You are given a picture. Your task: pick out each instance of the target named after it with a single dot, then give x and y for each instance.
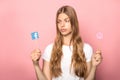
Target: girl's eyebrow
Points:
(67, 18)
(64, 19)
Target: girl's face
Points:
(64, 25)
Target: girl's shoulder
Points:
(88, 50)
(47, 52)
(49, 46)
(87, 46)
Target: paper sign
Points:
(34, 35)
(99, 36)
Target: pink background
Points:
(18, 18)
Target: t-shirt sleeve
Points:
(88, 52)
(47, 53)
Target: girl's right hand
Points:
(35, 55)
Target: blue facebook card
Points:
(34, 35)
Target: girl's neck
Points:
(67, 40)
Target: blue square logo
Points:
(34, 35)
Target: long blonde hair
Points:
(78, 58)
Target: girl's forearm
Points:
(91, 75)
(39, 74)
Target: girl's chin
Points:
(66, 34)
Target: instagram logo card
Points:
(99, 36)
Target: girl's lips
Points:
(63, 30)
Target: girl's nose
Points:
(62, 24)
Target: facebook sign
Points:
(34, 35)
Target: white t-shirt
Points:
(66, 60)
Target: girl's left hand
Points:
(96, 58)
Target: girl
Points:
(68, 58)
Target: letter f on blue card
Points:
(34, 35)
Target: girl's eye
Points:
(58, 21)
(67, 20)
